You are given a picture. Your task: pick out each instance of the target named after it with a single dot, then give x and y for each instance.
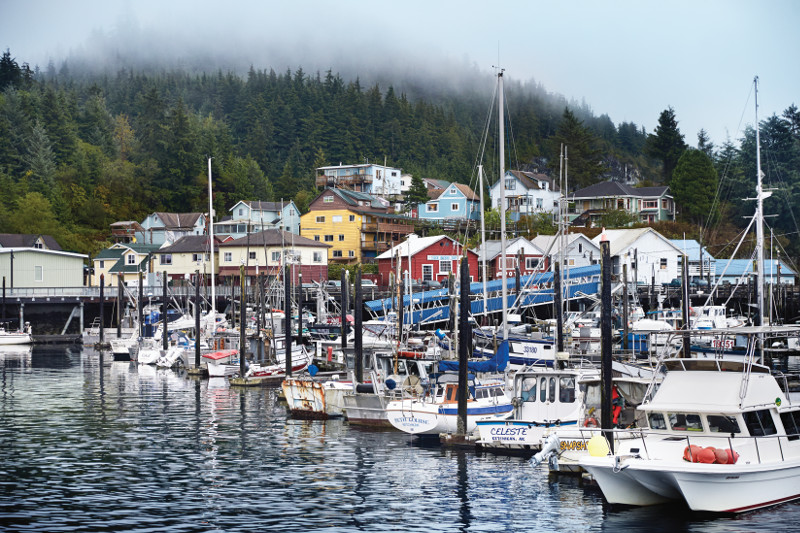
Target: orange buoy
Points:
(722, 456)
(732, 456)
(706, 455)
(590, 422)
(691, 453)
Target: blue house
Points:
(255, 217)
(739, 270)
(456, 201)
(695, 253)
(160, 228)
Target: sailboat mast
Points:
(759, 219)
(211, 246)
(483, 239)
(503, 268)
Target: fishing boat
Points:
(21, 336)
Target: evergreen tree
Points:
(10, 73)
(694, 186)
(417, 193)
(585, 162)
(704, 144)
(41, 162)
(666, 143)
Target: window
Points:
(228, 257)
(276, 256)
(38, 245)
(38, 273)
(685, 422)
(543, 390)
(445, 266)
(530, 263)
(197, 258)
(663, 263)
(570, 262)
(722, 424)
(320, 220)
(337, 218)
(511, 184)
(351, 253)
(327, 199)
(341, 237)
(352, 218)
(241, 211)
(131, 259)
(566, 389)
(759, 423)
(552, 391)
(432, 208)
(580, 247)
(251, 255)
(427, 272)
(650, 204)
(318, 257)
(337, 253)
(453, 190)
(791, 423)
(539, 203)
(316, 238)
(101, 264)
(529, 390)
(657, 421)
(328, 238)
(166, 259)
(455, 208)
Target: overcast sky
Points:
(628, 59)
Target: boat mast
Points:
(501, 120)
(483, 240)
(760, 195)
(211, 245)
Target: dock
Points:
(58, 339)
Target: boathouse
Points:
(426, 258)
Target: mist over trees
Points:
(88, 149)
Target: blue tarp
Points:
(496, 363)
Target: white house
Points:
(256, 216)
(369, 178)
(580, 250)
(648, 254)
(160, 228)
(526, 193)
(519, 252)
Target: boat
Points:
(20, 336)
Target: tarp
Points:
(497, 363)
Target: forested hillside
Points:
(78, 152)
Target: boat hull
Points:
(422, 418)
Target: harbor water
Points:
(89, 444)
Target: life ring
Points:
(590, 422)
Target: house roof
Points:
(412, 245)
(738, 267)
(494, 248)
(139, 248)
(622, 239)
(613, 188)
(190, 244)
(179, 220)
(273, 237)
(26, 240)
(354, 197)
(264, 206)
(439, 184)
(466, 191)
(692, 249)
(543, 241)
(530, 180)
(109, 253)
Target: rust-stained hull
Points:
(306, 399)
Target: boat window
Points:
(657, 421)
(528, 390)
(791, 423)
(451, 393)
(497, 391)
(759, 423)
(543, 390)
(552, 389)
(685, 422)
(722, 424)
(566, 389)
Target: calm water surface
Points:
(88, 444)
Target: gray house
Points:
(37, 261)
(169, 227)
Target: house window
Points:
(166, 259)
(327, 199)
(352, 218)
(427, 272)
(241, 211)
(341, 237)
(316, 238)
(337, 218)
(251, 255)
(337, 253)
(351, 253)
(454, 208)
(651, 204)
(132, 259)
(38, 245)
(511, 184)
(101, 264)
(328, 238)
(38, 273)
(320, 220)
(539, 203)
(318, 257)
(663, 263)
(664, 203)
(453, 190)
(228, 257)
(580, 247)
(432, 208)
(571, 262)
(445, 267)
(276, 256)
(530, 263)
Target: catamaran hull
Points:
(711, 488)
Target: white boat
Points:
(21, 336)
(715, 405)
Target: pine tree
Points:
(417, 193)
(666, 143)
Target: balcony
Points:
(347, 180)
(378, 246)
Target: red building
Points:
(430, 258)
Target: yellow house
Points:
(338, 228)
(123, 260)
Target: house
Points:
(125, 261)
(457, 201)
(426, 258)
(648, 204)
(527, 193)
(354, 224)
(37, 261)
(368, 178)
(255, 216)
(695, 253)
(519, 251)
(579, 251)
(650, 256)
(160, 228)
(188, 255)
(735, 271)
(270, 250)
